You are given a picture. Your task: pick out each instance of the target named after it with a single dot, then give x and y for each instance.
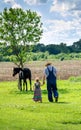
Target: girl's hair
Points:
(37, 79)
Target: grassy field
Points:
(19, 112)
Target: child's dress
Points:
(37, 92)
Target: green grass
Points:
(19, 112)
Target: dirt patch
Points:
(65, 69)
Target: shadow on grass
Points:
(44, 91)
(63, 102)
(63, 91)
(25, 92)
(55, 102)
(71, 122)
(21, 92)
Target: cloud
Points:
(42, 1)
(57, 31)
(34, 2)
(66, 7)
(9, 1)
(30, 2)
(39, 13)
(13, 3)
(59, 6)
(62, 6)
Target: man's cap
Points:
(48, 63)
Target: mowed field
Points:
(65, 69)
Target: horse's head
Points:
(16, 70)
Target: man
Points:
(50, 76)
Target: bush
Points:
(75, 79)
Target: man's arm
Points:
(55, 71)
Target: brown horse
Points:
(24, 74)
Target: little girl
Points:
(37, 91)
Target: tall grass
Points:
(19, 112)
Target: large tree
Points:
(18, 28)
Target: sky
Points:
(61, 18)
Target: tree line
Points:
(50, 48)
(42, 52)
(57, 49)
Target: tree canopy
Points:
(18, 29)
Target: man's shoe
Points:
(56, 99)
(50, 100)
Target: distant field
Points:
(65, 69)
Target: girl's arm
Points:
(41, 84)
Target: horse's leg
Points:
(26, 86)
(20, 85)
(30, 84)
(25, 82)
(23, 85)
